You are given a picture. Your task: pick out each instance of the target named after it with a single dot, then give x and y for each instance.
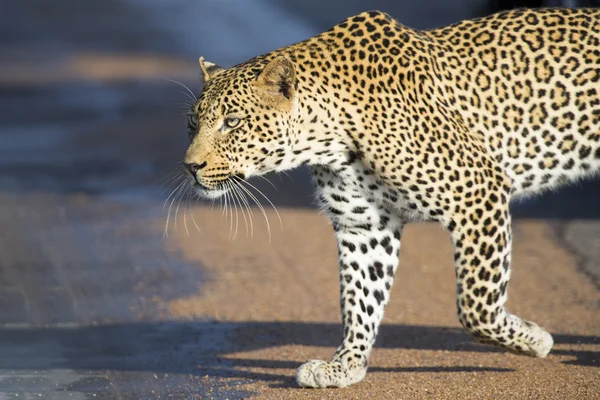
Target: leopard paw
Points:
(324, 374)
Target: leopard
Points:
(399, 125)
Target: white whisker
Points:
(228, 200)
(248, 207)
(193, 217)
(193, 96)
(166, 233)
(244, 201)
(172, 192)
(270, 183)
(249, 193)
(224, 207)
(173, 180)
(185, 212)
(187, 95)
(237, 197)
(266, 198)
(233, 208)
(185, 105)
(180, 195)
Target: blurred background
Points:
(91, 133)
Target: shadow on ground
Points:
(202, 348)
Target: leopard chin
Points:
(207, 193)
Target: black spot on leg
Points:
(385, 241)
(372, 273)
(379, 296)
(379, 269)
(351, 247)
(390, 270)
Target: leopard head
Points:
(241, 125)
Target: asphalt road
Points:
(105, 292)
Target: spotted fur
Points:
(402, 125)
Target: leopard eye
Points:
(232, 122)
(192, 124)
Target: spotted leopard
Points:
(402, 125)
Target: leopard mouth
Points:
(218, 188)
(211, 192)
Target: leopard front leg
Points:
(368, 240)
(367, 260)
(482, 244)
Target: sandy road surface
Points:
(282, 300)
(96, 304)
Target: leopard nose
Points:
(193, 168)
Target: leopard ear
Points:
(209, 70)
(279, 76)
